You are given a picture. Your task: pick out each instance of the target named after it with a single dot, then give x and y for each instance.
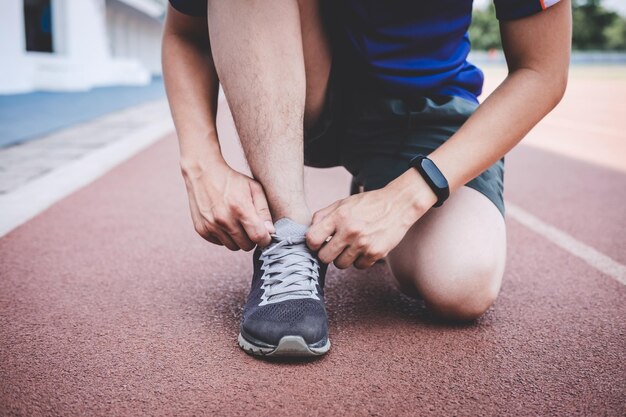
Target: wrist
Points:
(414, 192)
(194, 166)
(198, 157)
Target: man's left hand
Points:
(366, 227)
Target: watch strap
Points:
(432, 176)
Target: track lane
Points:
(109, 304)
(583, 200)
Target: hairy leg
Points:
(454, 256)
(259, 53)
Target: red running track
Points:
(110, 305)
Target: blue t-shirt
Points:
(409, 47)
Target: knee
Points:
(466, 292)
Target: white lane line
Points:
(21, 205)
(593, 257)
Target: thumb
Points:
(260, 204)
(320, 214)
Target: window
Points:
(38, 25)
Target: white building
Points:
(73, 45)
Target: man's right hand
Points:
(227, 207)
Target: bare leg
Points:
(317, 60)
(259, 56)
(454, 256)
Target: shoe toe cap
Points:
(304, 317)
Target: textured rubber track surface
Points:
(111, 305)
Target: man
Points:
(383, 89)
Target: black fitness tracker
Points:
(433, 177)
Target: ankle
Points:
(302, 216)
(302, 219)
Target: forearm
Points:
(538, 67)
(513, 109)
(192, 89)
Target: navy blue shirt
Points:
(410, 47)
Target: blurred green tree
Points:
(615, 35)
(484, 31)
(590, 21)
(595, 28)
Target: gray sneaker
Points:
(285, 314)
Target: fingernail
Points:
(269, 226)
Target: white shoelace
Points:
(290, 271)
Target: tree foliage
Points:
(595, 28)
(485, 31)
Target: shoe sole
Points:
(288, 347)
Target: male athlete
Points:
(382, 88)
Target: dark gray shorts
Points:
(374, 137)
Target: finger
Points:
(239, 236)
(262, 208)
(209, 237)
(347, 257)
(318, 233)
(331, 250)
(254, 227)
(364, 262)
(225, 239)
(321, 214)
(205, 231)
(213, 239)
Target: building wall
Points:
(96, 43)
(134, 35)
(15, 72)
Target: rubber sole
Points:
(288, 347)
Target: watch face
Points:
(433, 172)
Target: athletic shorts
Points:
(375, 137)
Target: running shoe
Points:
(284, 314)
